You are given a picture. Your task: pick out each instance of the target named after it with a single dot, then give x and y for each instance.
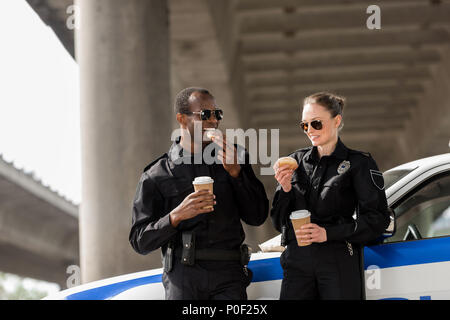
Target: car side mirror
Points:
(392, 227)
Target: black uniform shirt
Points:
(331, 188)
(168, 180)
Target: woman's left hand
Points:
(311, 232)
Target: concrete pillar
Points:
(122, 48)
(428, 131)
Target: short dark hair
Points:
(182, 98)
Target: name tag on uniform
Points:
(343, 166)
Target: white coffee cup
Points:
(298, 219)
(300, 214)
(203, 183)
(202, 180)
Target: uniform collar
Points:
(176, 152)
(340, 152)
(312, 155)
(178, 155)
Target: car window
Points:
(427, 207)
(392, 176)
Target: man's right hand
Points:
(192, 206)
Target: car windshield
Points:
(392, 176)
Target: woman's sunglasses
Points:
(316, 124)
(206, 114)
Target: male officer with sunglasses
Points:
(203, 252)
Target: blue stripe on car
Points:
(408, 253)
(266, 269)
(111, 290)
(383, 256)
(263, 270)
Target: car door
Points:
(415, 262)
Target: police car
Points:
(412, 262)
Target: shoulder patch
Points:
(152, 163)
(377, 178)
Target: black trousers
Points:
(321, 271)
(206, 280)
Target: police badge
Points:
(343, 166)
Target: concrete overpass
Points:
(272, 53)
(260, 58)
(38, 227)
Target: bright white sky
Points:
(39, 110)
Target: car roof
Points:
(416, 168)
(424, 163)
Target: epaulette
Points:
(302, 149)
(152, 163)
(367, 154)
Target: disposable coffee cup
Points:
(287, 162)
(298, 219)
(204, 183)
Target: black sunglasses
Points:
(206, 114)
(316, 124)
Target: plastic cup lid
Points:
(203, 180)
(300, 214)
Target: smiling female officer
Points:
(333, 182)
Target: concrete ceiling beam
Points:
(364, 38)
(408, 89)
(325, 60)
(252, 5)
(343, 17)
(296, 77)
(54, 14)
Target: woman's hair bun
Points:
(332, 102)
(341, 102)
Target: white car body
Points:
(412, 269)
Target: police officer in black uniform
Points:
(203, 252)
(344, 191)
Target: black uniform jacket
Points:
(168, 180)
(331, 188)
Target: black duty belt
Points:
(213, 254)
